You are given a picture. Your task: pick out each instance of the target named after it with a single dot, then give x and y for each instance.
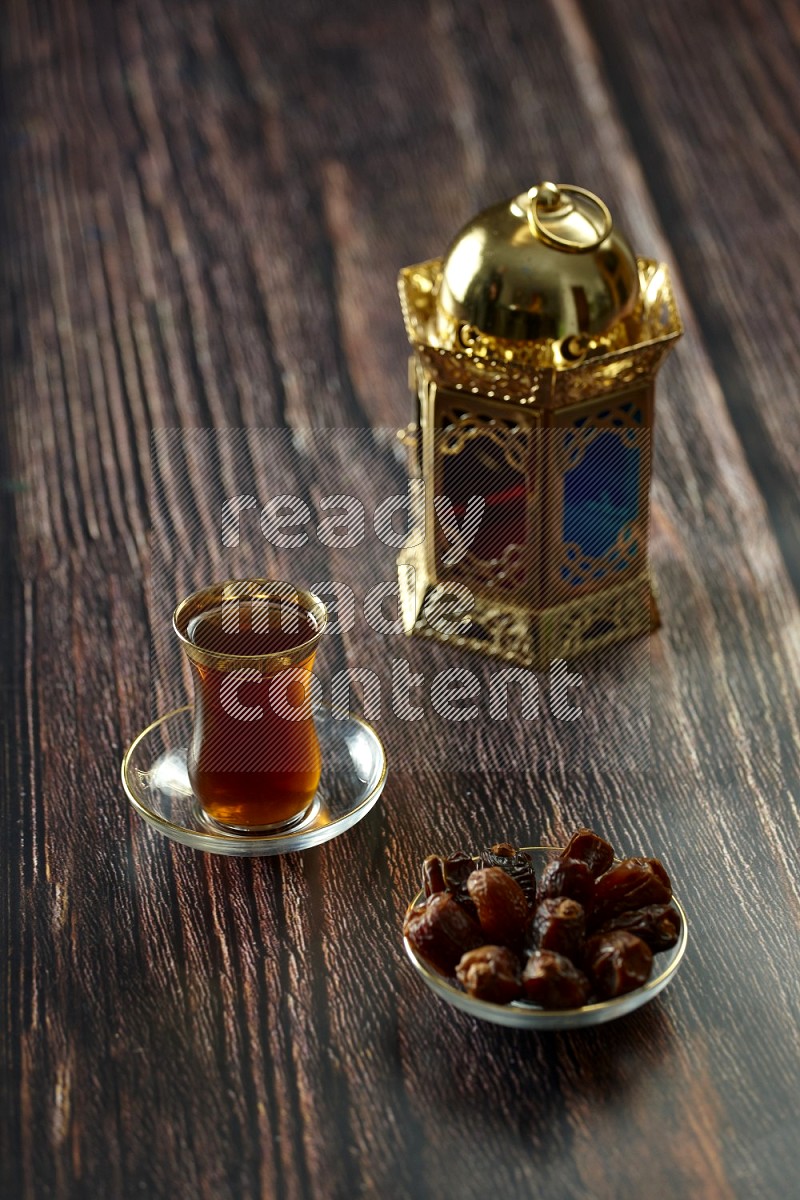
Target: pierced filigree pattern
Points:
(512, 437)
(494, 628)
(417, 288)
(497, 380)
(599, 619)
(626, 420)
(534, 638)
(454, 336)
(609, 373)
(546, 376)
(578, 568)
(504, 573)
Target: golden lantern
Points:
(536, 341)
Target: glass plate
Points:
(156, 781)
(521, 1014)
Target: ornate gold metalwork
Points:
(458, 428)
(620, 418)
(494, 627)
(506, 571)
(577, 568)
(534, 638)
(596, 620)
(610, 373)
(503, 574)
(540, 373)
(569, 570)
(478, 374)
(656, 313)
(493, 328)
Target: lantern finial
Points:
(539, 267)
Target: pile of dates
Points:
(586, 931)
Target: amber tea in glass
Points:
(254, 760)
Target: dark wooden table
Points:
(205, 208)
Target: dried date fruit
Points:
(490, 973)
(449, 875)
(589, 931)
(632, 883)
(659, 925)
(503, 850)
(457, 869)
(588, 847)
(658, 869)
(617, 962)
(468, 905)
(566, 877)
(559, 924)
(501, 903)
(553, 981)
(441, 931)
(516, 863)
(432, 875)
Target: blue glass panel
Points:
(601, 494)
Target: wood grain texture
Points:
(712, 115)
(204, 209)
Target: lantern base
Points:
(527, 636)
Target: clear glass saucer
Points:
(156, 781)
(521, 1014)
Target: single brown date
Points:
(490, 973)
(502, 850)
(441, 931)
(457, 869)
(516, 863)
(632, 883)
(617, 962)
(588, 847)
(449, 875)
(432, 875)
(553, 981)
(658, 869)
(559, 924)
(659, 925)
(566, 877)
(501, 904)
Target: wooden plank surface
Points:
(204, 209)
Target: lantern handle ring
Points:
(547, 197)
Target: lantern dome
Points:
(546, 264)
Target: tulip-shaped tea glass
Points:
(254, 759)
